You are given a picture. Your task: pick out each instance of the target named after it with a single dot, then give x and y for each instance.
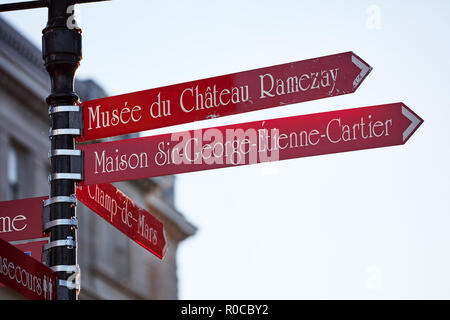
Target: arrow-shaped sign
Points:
(21, 219)
(249, 143)
(225, 95)
(21, 225)
(365, 69)
(26, 275)
(415, 122)
(119, 210)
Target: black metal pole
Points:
(23, 5)
(34, 4)
(61, 50)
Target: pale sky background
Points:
(365, 224)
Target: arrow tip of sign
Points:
(166, 244)
(416, 122)
(365, 69)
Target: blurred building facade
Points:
(112, 266)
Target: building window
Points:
(13, 173)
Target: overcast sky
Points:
(364, 224)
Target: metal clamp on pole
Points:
(65, 176)
(60, 222)
(64, 152)
(69, 243)
(68, 108)
(75, 115)
(65, 268)
(75, 164)
(58, 199)
(73, 281)
(64, 132)
(46, 223)
(69, 284)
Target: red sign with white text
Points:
(249, 143)
(32, 247)
(225, 95)
(21, 219)
(24, 274)
(119, 210)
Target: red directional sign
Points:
(21, 225)
(249, 143)
(120, 211)
(21, 219)
(24, 274)
(224, 95)
(32, 247)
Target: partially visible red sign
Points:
(119, 210)
(21, 219)
(24, 274)
(32, 247)
(21, 225)
(225, 95)
(249, 143)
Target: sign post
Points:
(61, 51)
(94, 166)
